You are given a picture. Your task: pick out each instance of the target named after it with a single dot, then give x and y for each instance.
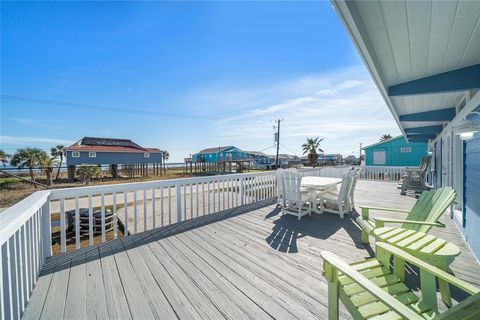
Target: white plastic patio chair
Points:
(296, 200)
(353, 184)
(337, 201)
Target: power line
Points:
(295, 152)
(266, 148)
(102, 108)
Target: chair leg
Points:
(365, 237)
(445, 291)
(340, 209)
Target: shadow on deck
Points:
(248, 262)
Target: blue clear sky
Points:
(222, 71)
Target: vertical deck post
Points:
(46, 230)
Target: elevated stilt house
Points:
(122, 155)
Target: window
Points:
(405, 149)
(92, 154)
(75, 154)
(379, 157)
(146, 155)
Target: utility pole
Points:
(278, 141)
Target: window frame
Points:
(146, 154)
(75, 154)
(92, 154)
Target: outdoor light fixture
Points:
(467, 128)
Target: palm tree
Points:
(311, 147)
(58, 152)
(4, 157)
(47, 163)
(385, 137)
(28, 158)
(165, 156)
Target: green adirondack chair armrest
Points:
(381, 248)
(380, 222)
(332, 264)
(366, 210)
(467, 309)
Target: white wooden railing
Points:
(101, 213)
(364, 173)
(60, 220)
(25, 243)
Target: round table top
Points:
(319, 181)
(416, 243)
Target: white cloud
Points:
(343, 107)
(18, 140)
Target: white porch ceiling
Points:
(402, 41)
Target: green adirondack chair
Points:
(374, 289)
(422, 217)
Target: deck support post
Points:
(71, 173)
(46, 230)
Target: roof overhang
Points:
(424, 57)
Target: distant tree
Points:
(57, 152)
(86, 172)
(4, 157)
(311, 147)
(47, 163)
(28, 158)
(165, 156)
(385, 137)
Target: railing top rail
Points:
(132, 186)
(14, 217)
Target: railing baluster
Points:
(90, 220)
(125, 212)
(77, 223)
(203, 198)
(29, 255)
(135, 211)
(178, 191)
(191, 201)
(196, 200)
(115, 217)
(223, 193)
(63, 240)
(208, 196)
(154, 213)
(144, 209)
(161, 208)
(169, 205)
(22, 265)
(102, 212)
(184, 202)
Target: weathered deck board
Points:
(250, 263)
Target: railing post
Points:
(179, 202)
(242, 191)
(46, 229)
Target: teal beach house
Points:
(220, 154)
(396, 152)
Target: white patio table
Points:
(320, 184)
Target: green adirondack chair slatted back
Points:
(430, 207)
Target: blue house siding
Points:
(410, 157)
(113, 158)
(471, 194)
(225, 154)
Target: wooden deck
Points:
(251, 262)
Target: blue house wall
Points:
(225, 153)
(398, 152)
(112, 158)
(471, 193)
